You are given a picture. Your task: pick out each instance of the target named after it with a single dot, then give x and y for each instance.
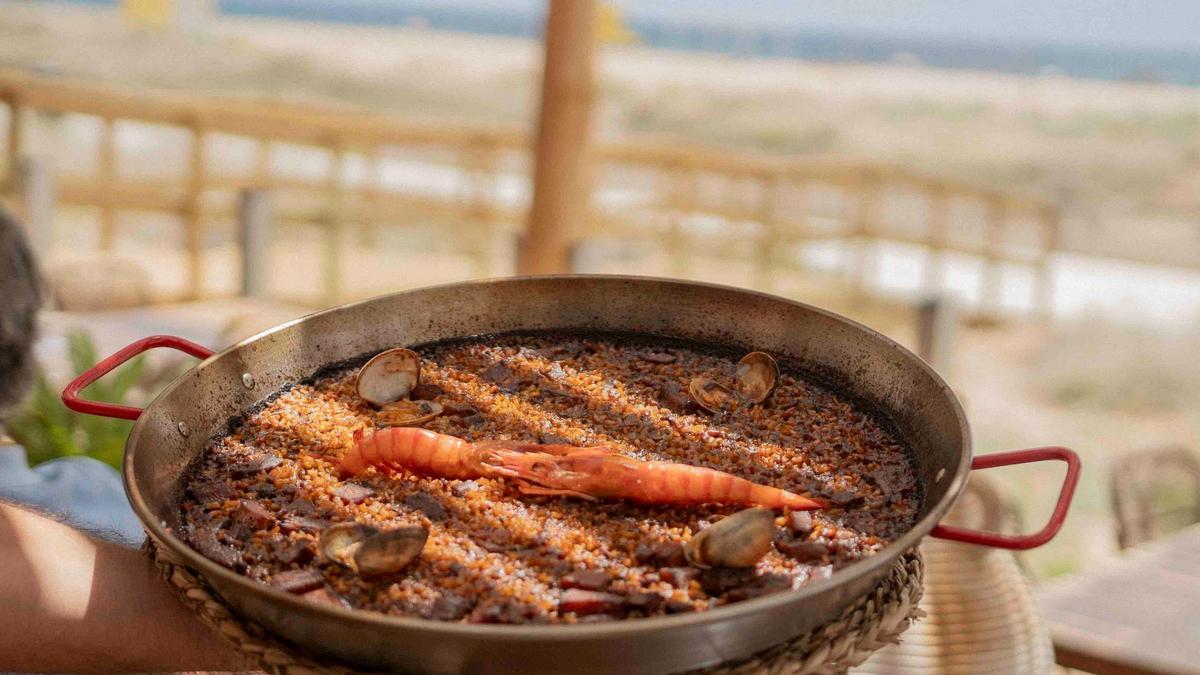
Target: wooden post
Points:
(335, 232)
(368, 229)
(937, 323)
(193, 218)
(107, 176)
(17, 122)
(254, 230)
(992, 283)
(1043, 285)
(35, 185)
(562, 175)
(262, 164)
(939, 228)
(866, 216)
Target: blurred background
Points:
(1011, 187)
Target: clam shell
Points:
(712, 395)
(390, 551)
(340, 542)
(407, 413)
(740, 540)
(756, 377)
(389, 376)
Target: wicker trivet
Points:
(875, 620)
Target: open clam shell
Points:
(389, 376)
(340, 542)
(407, 413)
(756, 377)
(740, 540)
(712, 395)
(390, 551)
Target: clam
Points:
(340, 542)
(389, 376)
(712, 395)
(390, 551)
(740, 540)
(369, 551)
(407, 413)
(756, 376)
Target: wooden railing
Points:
(679, 198)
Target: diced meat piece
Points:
(584, 603)
(799, 549)
(264, 462)
(210, 491)
(299, 552)
(475, 420)
(675, 399)
(588, 580)
(679, 577)
(718, 580)
(450, 608)
(324, 596)
(458, 409)
(648, 603)
(661, 554)
(252, 515)
(800, 522)
(657, 357)
(300, 506)
(760, 586)
(553, 439)
(503, 377)
(678, 607)
(292, 524)
(353, 492)
(427, 504)
(425, 392)
(205, 541)
(507, 612)
(846, 499)
(298, 581)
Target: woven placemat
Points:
(874, 621)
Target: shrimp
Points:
(586, 472)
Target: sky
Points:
(1168, 24)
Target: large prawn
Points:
(586, 472)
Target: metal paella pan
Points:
(177, 426)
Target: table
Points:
(1138, 614)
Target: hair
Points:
(20, 300)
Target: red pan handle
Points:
(1024, 541)
(70, 395)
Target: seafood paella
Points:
(550, 478)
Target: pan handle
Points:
(1024, 541)
(70, 395)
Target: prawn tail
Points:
(352, 462)
(775, 498)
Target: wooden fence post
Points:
(992, 283)
(35, 184)
(939, 228)
(1043, 286)
(17, 122)
(866, 216)
(193, 218)
(107, 176)
(937, 326)
(255, 234)
(335, 234)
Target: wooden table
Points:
(1139, 614)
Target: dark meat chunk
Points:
(584, 603)
(800, 522)
(425, 392)
(588, 580)
(718, 580)
(759, 586)
(845, 499)
(205, 541)
(674, 398)
(553, 439)
(353, 492)
(661, 554)
(292, 524)
(657, 357)
(799, 549)
(505, 378)
(506, 612)
(210, 491)
(647, 603)
(264, 462)
(324, 596)
(300, 506)
(679, 577)
(298, 581)
(450, 608)
(458, 410)
(475, 420)
(427, 504)
(678, 607)
(252, 515)
(299, 552)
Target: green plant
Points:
(47, 429)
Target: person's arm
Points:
(72, 603)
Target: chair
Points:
(1155, 492)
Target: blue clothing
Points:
(84, 492)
